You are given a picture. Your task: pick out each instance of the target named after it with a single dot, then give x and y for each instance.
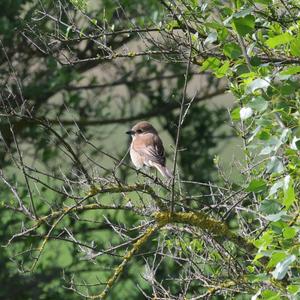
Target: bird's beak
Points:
(130, 132)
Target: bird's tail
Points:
(163, 170)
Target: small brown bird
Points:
(147, 149)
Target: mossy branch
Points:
(199, 220)
(112, 189)
(135, 248)
(206, 223)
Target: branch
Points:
(160, 111)
(198, 220)
(204, 222)
(135, 248)
(126, 82)
(182, 103)
(115, 33)
(130, 54)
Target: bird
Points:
(147, 148)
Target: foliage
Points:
(74, 214)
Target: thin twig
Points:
(180, 122)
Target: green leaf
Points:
(270, 295)
(235, 114)
(265, 121)
(232, 50)
(289, 232)
(244, 25)
(289, 192)
(293, 289)
(282, 267)
(269, 207)
(276, 258)
(278, 40)
(263, 135)
(222, 71)
(172, 24)
(80, 4)
(212, 63)
(259, 104)
(261, 277)
(291, 71)
(265, 240)
(223, 34)
(265, 2)
(275, 143)
(94, 21)
(243, 12)
(295, 46)
(255, 61)
(276, 217)
(256, 186)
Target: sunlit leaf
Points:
(222, 71)
(265, 240)
(276, 257)
(270, 295)
(282, 267)
(289, 232)
(212, 63)
(295, 46)
(235, 114)
(291, 71)
(279, 40)
(293, 289)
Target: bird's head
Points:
(141, 128)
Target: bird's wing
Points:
(151, 147)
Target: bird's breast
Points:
(136, 158)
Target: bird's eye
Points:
(139, 131)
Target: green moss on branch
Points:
(206, 223)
